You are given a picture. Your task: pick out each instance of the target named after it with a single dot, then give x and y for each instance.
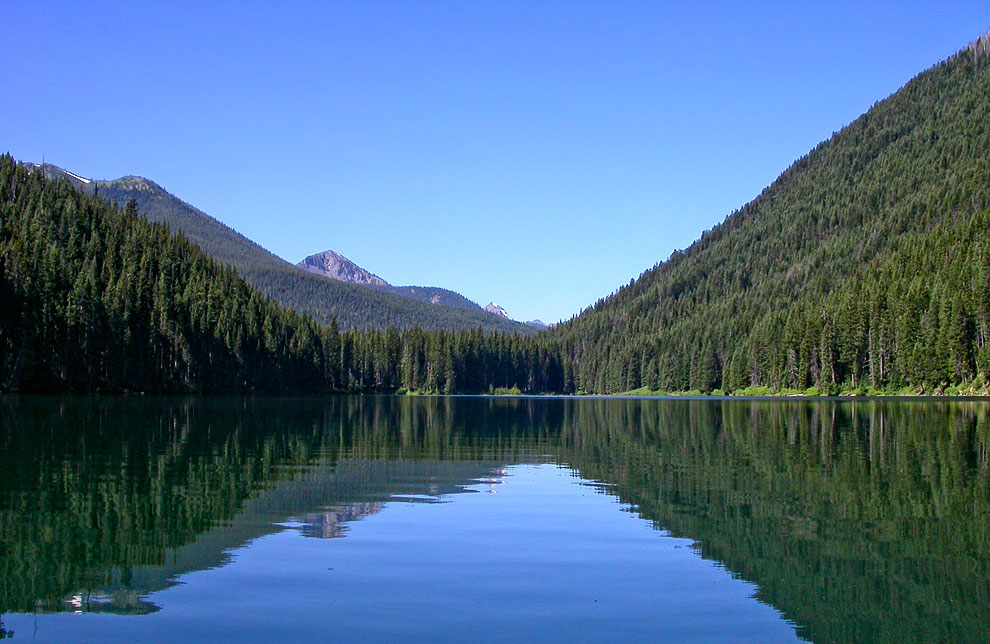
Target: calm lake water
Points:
(483, 520)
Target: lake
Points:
(453, 519)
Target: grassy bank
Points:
(975, 388)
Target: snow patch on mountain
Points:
(497, 310)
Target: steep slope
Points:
(100, 300)
(335, 266)
(864, 264)
(353, 307)
(95, 299)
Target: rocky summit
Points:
(335, 266)
(497, 310)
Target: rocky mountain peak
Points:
(336, 266)
(497, 310)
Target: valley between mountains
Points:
(864, 268)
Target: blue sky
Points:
(539, 154)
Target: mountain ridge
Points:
(333, 265)
(97, 299)
(863, 268)
(351, 306)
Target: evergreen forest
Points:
(98, 299)
(863, 268)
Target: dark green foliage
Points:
(864, 265)
(96, 300)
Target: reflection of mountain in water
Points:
(318, 502)
(376, 482)
(329, 524)
(105, 498)
(860, 521)
(117, 600)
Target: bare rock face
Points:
(497, 310)
(337, 267)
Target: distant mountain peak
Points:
(130, 182)
(497, 310)
(373, 304)
(335, 266)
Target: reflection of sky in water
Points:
(549, 558)
(855, 520)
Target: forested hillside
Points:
(101, 300)
(865, 265)
(354, 307)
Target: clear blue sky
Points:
(539, 154)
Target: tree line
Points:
(863, 267)
(97, 299)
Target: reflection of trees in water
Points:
(861, 521)
(111, 493)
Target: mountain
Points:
(538, 324)
(864, 266)
(99, 300)
(353, 306)
(497, 310)
(335, 266)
